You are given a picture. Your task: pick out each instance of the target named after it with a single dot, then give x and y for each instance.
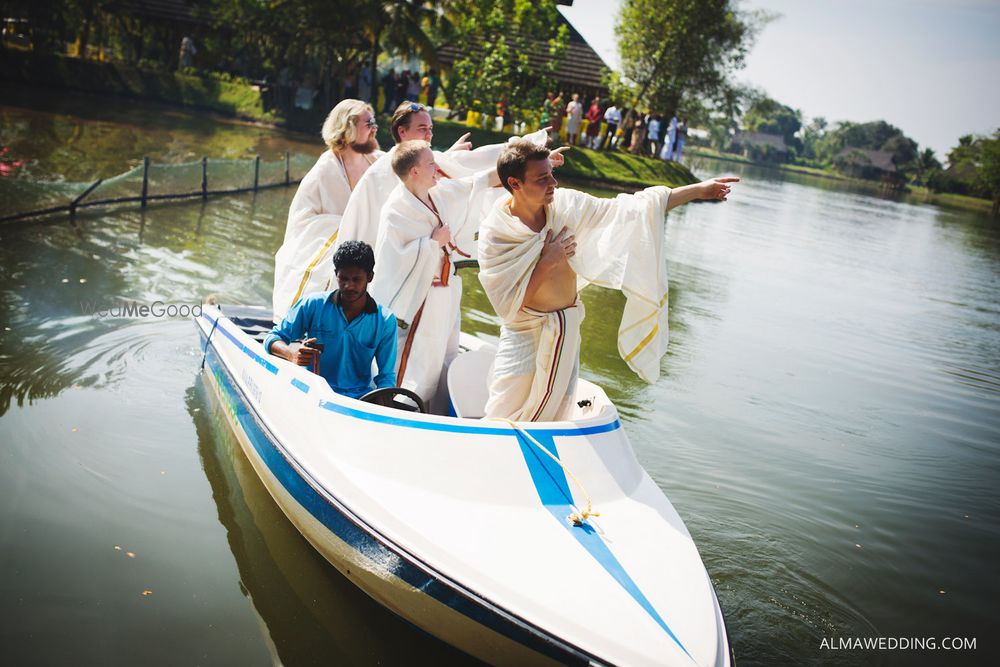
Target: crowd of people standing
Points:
(407, 86)
(605, 126)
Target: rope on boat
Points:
(208, 340)
(578, 517)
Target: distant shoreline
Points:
(912, 194)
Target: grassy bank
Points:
(584, 166)
(232, 98)
(921, 195)
(701, 151)
(914, 194)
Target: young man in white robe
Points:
(539, 247)
(300, 265)
(412, 121)
(427, 224)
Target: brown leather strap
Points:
(409, 344)
(442, 279)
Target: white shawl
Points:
(619, 246)
(361, 218)
(313, 219)
(407, 259)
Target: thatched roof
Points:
(579, 71)
(176, 11)
(881, 160)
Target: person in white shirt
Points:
(613, 117)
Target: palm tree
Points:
(401, 26)
(925, 164)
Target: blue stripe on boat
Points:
(362, 539)
(300, 385)
(460, 428)
(421, 424)
(271, 368)
(554, 492)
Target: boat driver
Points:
(341, 331)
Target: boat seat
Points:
(468, 382)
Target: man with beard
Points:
(315, 213)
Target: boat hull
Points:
(350, 509)
(405, 587)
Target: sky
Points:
(930, 68)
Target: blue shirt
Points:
(348, 347)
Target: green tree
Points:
(677, 51)
(771, 117)
(404, 28)
(812, 135)
(497, 39)
(876, 135)
(974, 168)
(925, 166)
(989, 170)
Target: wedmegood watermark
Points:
(158, 309)
(898, 643)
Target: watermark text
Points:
(898, 643)
(133, 309)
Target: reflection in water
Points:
(311, 613)
(81, 137)
(55, 276)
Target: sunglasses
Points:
(414, 107)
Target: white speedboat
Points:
(526, 543)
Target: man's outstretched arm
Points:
(713, 189)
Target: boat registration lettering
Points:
(251, 386)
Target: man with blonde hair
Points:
(316, 210)
(539, 247)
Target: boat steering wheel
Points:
(386, 396)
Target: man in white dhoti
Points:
(300, 265)
(412, 121)
(539, 248)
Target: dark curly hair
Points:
(354, 253)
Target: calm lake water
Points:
(827, 423)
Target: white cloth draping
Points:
(408, 262)
(619, 246)
(361, 218)
(300, 265)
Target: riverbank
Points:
(599, 169)
(913, 194)
(237, 101)
(213, 93)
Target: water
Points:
(827, 423)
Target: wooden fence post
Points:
(73, 204)
(145, 180)
(256, 172)
(287, 176)
(204, 178)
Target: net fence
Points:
(148, 182)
